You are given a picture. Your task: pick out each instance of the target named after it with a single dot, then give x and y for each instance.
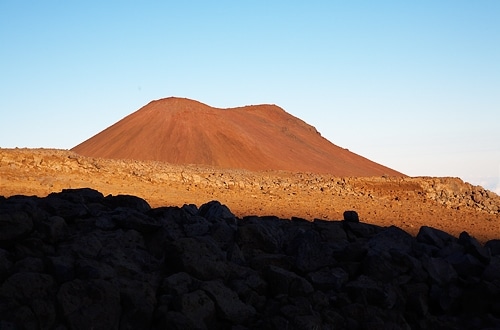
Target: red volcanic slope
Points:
(260, 137)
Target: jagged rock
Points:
(351, 216)
(228, 304)
(132, 202)
(127, 218)
(310, 253)
(366, 290)
(307, 322)
(93, 269)
(416, 299)
(90, 304)
(5, 264)
(264, 260)
(14, 226)
(466, 265)
(190, 209)
(30, 264)
(66, 205)
(52, 229)
(492, 271)
(165, 318)
(202, 258)
(260, 234)
(126, 252)
(195, 226)
(353, 252)
(198, 308)
(391, 239)
(81, 195)
(28, 298)
(138, 302)
(434, 237)
(214, 211)
(179, 284)
(105, 223)
(171, 219)
(388, 255)
(440, 271)
(78, 260)
(224, 232)
(330, 231)
(473, 247)
(329, 278)
(32, 247)
(355, 230)
(251, 286)
(86, 246)
(282, 281)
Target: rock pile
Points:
(79, 260)
(47, 168)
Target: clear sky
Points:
(413, 85)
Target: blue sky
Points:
(414, 85)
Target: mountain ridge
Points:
(255, 137)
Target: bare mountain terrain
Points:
(448, 204)
(150, 246)
(257, 160)
(255, 138)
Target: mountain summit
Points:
(256, 138)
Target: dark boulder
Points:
(27, 299)
(127, 201)
(201, 258)
(79, 260)
(264, 235)
(434, 237)
(329, 278)
(282, 281)
(351, 216)
(473, 247)
(494, 246)
(214, 211)
(198, 308)
(228, 304)
(127, 218)
(90, 304)
(14, 226)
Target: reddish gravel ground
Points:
(398, 201)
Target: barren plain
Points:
(448, 204)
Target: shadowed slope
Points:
(261, 137)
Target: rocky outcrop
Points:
(46, 168)
(80, 260)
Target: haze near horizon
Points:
(412, 86)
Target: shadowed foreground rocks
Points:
(79, 260)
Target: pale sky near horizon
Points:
(413, 85)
